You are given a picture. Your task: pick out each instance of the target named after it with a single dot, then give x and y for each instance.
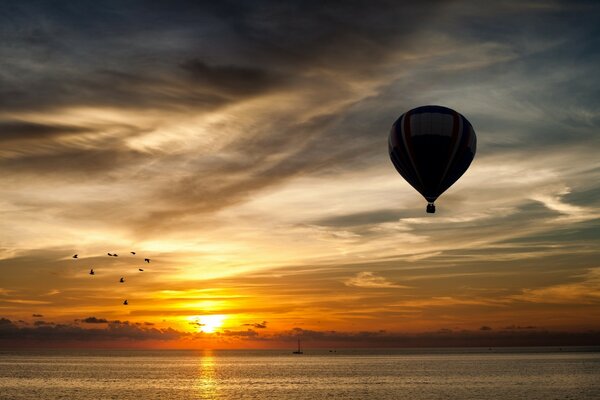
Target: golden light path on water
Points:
(206, 383)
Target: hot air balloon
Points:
(431, 147)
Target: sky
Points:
(242, 148)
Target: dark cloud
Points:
(94, 320)
(173, 62)
(90, 65)
(257, 325)
(77, 54)
(313, 33)
(231, 79)
(72, 162)
(247, 167)
(518, 327)
(522, 336)
(37, 315)
(24, 130)
(585, 232)
(68, 332)
(441, 338)
(247, 334)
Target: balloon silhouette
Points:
(431, 147)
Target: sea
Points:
(542, 373)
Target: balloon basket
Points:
(431, 208)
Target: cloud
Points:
(239, 334)
(370, 280)
(231, 79)
(518, 327)
(586, 290)
(26, 131)
(138, 333)
(94, 320)
(25, 301)
(379, 216)
(441, 338)
(570, 213)
(449, 301)
(257, 325)
(116, 330)
(314, 34)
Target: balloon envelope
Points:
(431, 147)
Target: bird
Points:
(75, 256)
(122, 280)
(132, 252)
(92, 271)
(110, 255)
(141, 269)
(147, 260)
(115, 255)
(125, 303)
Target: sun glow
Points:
(208, 323)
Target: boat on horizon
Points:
(299, 351)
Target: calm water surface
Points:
(347, 374)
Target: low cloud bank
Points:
(14, 333)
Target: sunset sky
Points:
(242, 147)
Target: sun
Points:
(209, 323)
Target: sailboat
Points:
(299, 351)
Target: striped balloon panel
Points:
(431, 147)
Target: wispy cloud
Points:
(257, 325)
(584, 291)
(368, 279)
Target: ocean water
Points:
(523, 373)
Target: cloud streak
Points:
(367, 279)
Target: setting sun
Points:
(208, 323)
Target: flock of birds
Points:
(122, 280)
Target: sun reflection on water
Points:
(207, 381)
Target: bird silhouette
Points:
(92, 271)
(110, 255)
(125, 303)
(132, 252)
(75, 256)
(115, 255)
(147, 260)
(141, 269)
(122, 280)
